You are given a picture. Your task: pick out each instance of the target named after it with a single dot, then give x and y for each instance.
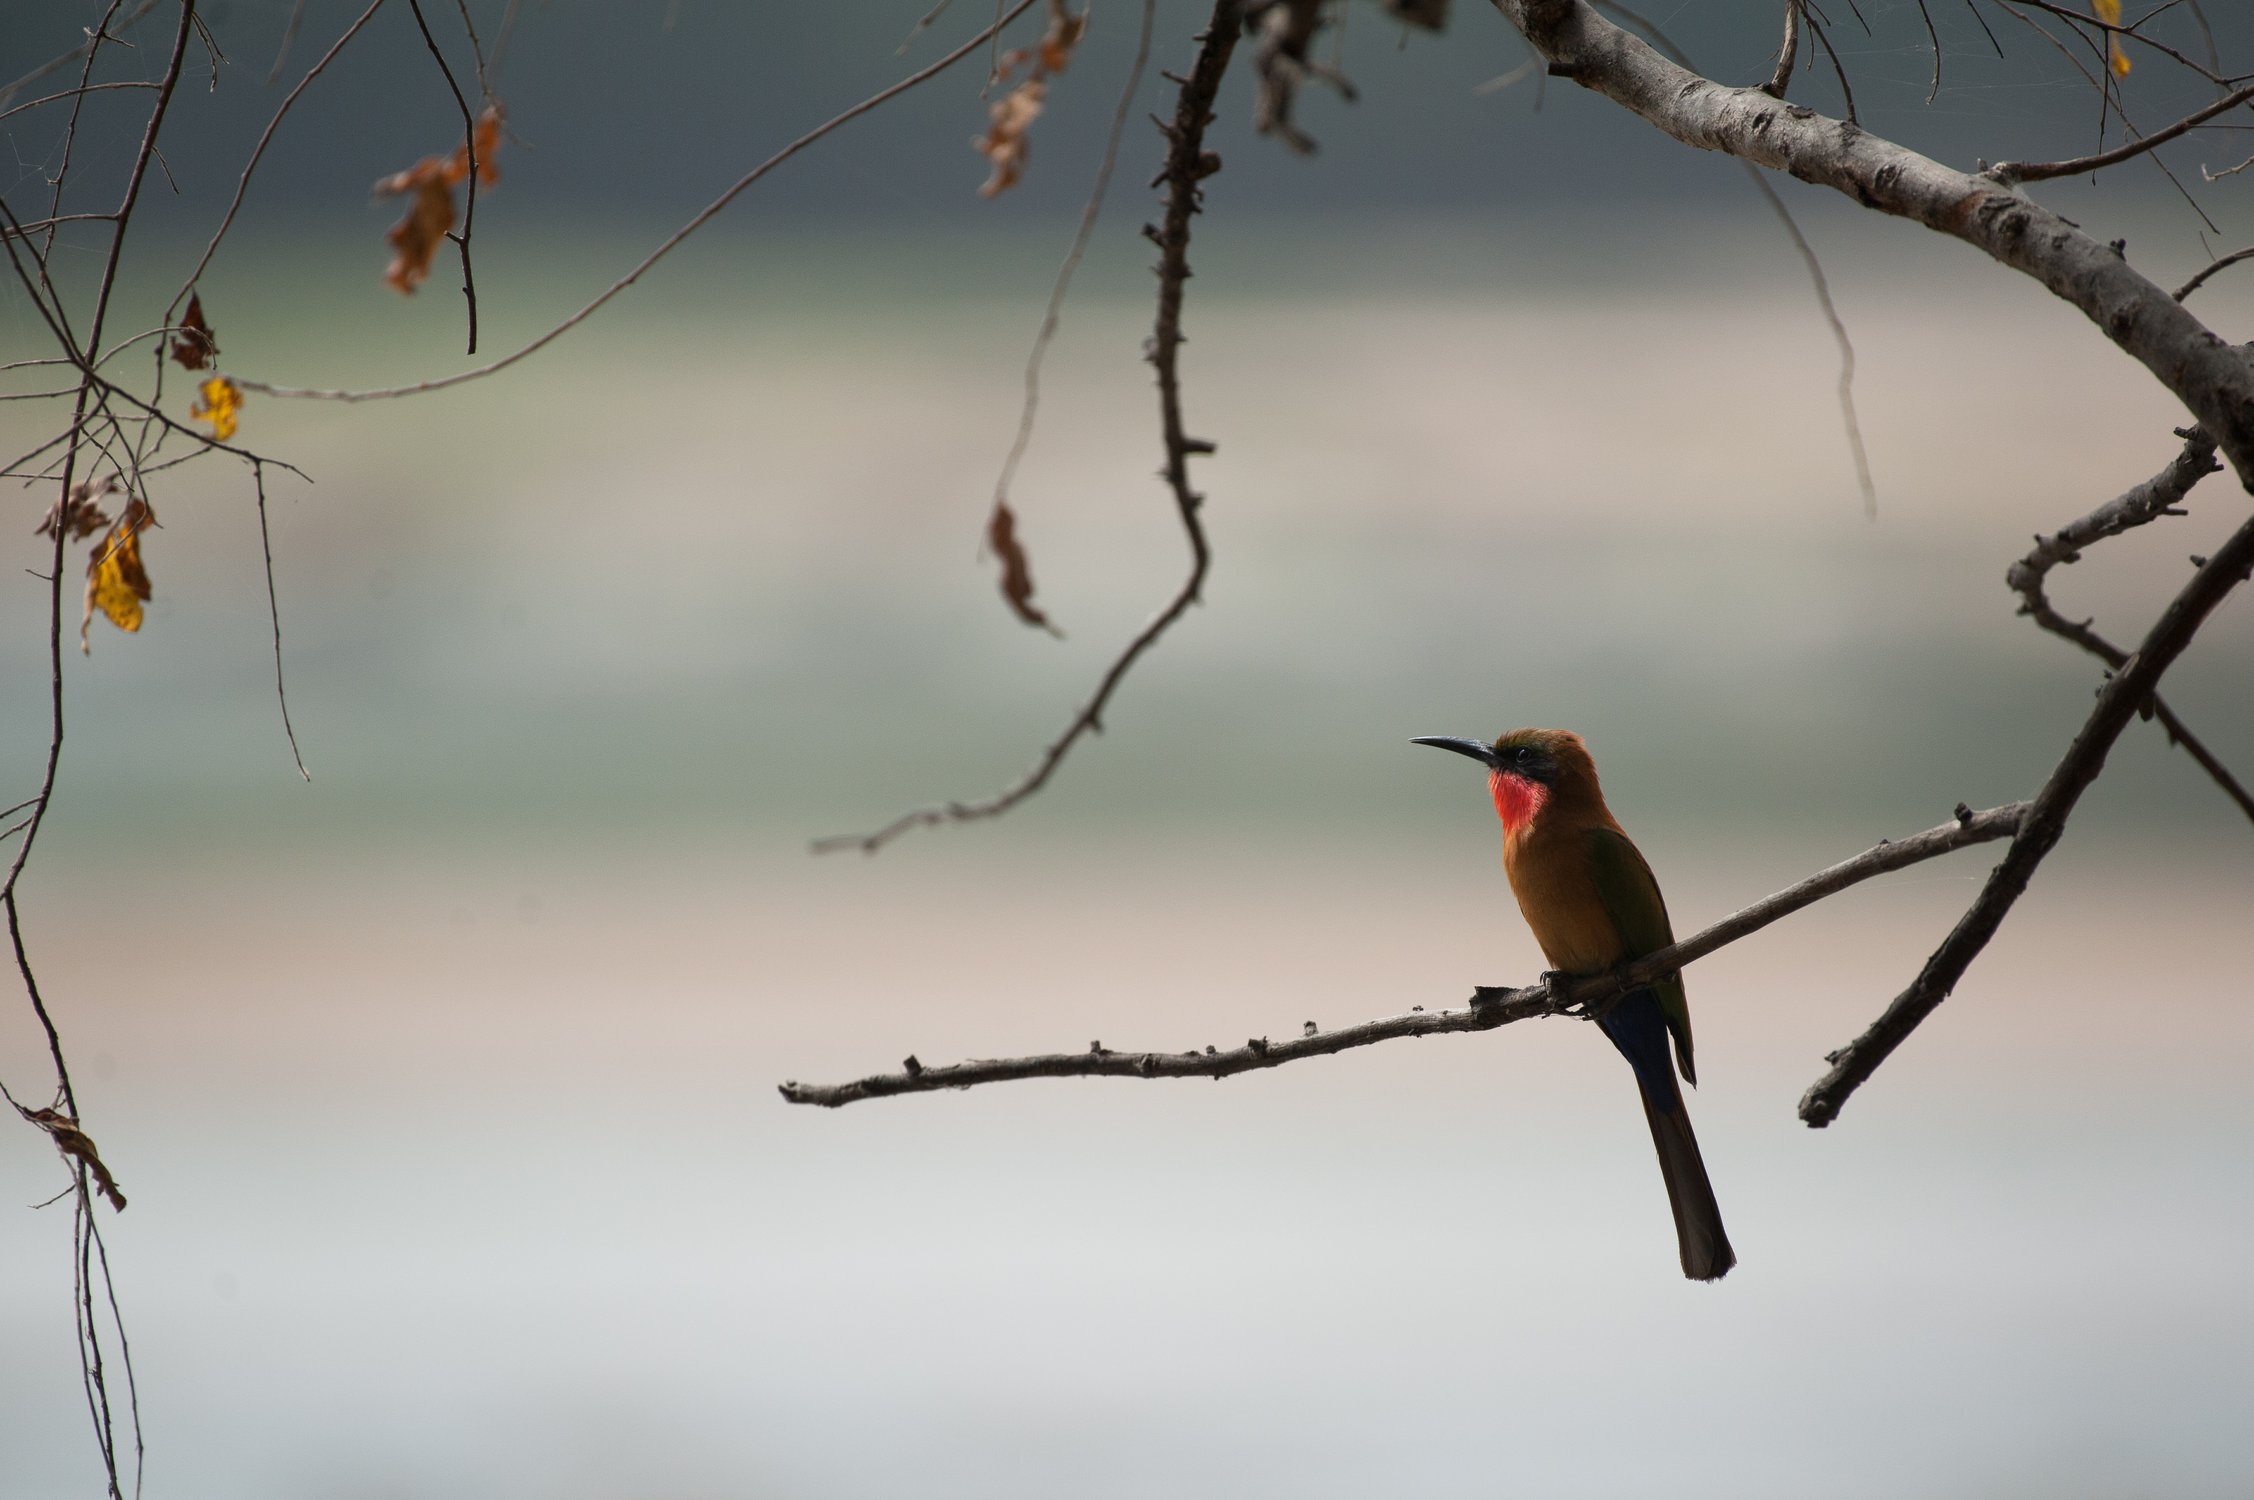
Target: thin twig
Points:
(274, 616)
(94, 39)
(1489, 1007)
(242, 181)
(1188, 164)
(1816, 277)
(2012, 173)
(673, 240)
(1788, 54)
(469, 147)
(1080, 238)
(2220, 263)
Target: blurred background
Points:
(443, 1086)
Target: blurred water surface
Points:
(443, 1086)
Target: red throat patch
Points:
(1517, 798)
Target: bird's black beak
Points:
(1478, 750)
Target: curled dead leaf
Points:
(76, 1143)
(1004, 144)
(430, 216)
(1017, 571)
(1008, 118)
(116, 583)
(219, 401)
(193, 347)
(80, 513)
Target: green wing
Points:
(1631, 898)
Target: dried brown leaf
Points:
(80, 514)
(193, 348)
(74, 1142)
(1008, 118)
(1017, 572)
(1004, 145)
(430, 217)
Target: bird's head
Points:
(1527, 769)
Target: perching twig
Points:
(1188, 163)
(1488, 1008)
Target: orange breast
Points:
(1558, 894)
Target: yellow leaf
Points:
(220, 403)
(116, 583)
(2109, 11)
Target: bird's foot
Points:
(1561, 984)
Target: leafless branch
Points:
(2156, 497)
(1788, 54)
(2123, 696)
(1489, 1007)
(2012, 173)
(274, 617)
(1808, 259)
(1188, 164)
(469, 147)
(2220, 263)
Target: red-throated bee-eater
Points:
(1594, 906)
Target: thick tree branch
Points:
(1488, 1008)
(2156, 497)
(2214, 380)
(2118, 702)
(1188, 164)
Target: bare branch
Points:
(469, 147)
(2220, 263)
(1488, 1008)
(2212, 378)
(1188, 163)
(1788, 54)
(2129, 690)
(2156, 497)
(2012, 173)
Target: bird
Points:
(1594, 905)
